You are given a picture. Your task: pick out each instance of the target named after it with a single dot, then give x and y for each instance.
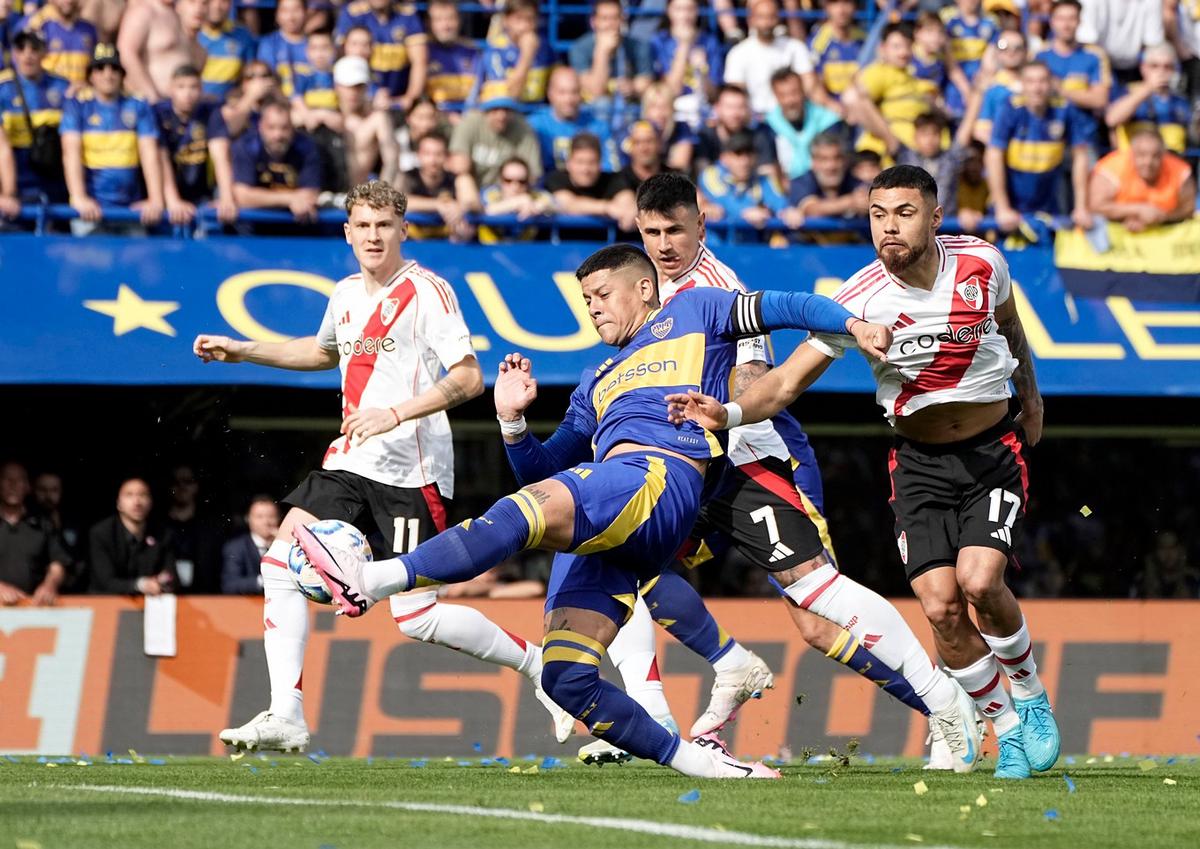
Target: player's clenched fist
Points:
(516, 387)
(219, 348)
(873, 339)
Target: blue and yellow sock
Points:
(571, 677)
(676, 606)
(465, 551)
(848, 650)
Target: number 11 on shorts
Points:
(407, 533)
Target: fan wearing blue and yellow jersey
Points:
(314, 97)
(453, 61)
(1031, 140)
(110, 147)
(935, 66)
(1151, 103)
(1000, 84)
(887, 98)
(194, 140)
(69, 39)
(1082, 70)
(516, 61)
(835, 45)
(618, 518)
(736, 190)
(45, 95)
(286, 49)
(228, 46)
(564, 118)
(399, 57)
(970, 33)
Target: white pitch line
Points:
(658, 829)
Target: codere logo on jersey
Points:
(370, 345)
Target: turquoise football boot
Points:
(1042, 741)
(1012, 762)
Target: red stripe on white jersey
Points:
(868, 278)
(362, 365)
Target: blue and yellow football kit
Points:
(968, 41)
(496, 68)
(1170, 114)
(1079, 69)
(288, 58)
(555, 135)
(110, 132)
(227, 50)
(734, 198)
(453, 66)
(316, 89)
(835, 60)
(68, 46)
(1035, 147)
(186, 142)
(392, 38)
(45, 99)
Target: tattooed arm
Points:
(1024, 378)
(463, 381)
(745, 374)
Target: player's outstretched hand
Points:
(704, 410)
(219, 348)
(516, 387)
(873, 339)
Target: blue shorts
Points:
(632, 514)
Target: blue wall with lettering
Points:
(125, 311)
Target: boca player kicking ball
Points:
(398, 336)
(958, 469)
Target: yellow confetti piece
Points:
(133, 754)
(1108, 759)
(83, 763)
(515, 769)
(719, 827)
(52, 766)
(981, 801)
(810, 826)
(28, 844)
(915, 838)
(920, 788)
(530, 770)
(996, 790)
(987, 834)
(1170, 781)
(1147, 765)
(537, 807)
(964, 809)
(1085, 511)
(1091, 760)
(238, 756)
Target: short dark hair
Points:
(862, 156)
(514, 160)
(934, 119)
(585, 141)
(186, 72)
(613, 257)
(320, 31)
(664, 193)
(520, 5)
(926, 19)
(731, 88)
(363, 28)
(784, 73)
(436, 135)
(897, 27)
(261, 498)
(907, 177)
(1058, 4)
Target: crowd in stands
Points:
(1072, 110)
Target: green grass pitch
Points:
(334, 803)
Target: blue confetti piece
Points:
(486, 761)
(1171, 761)
(254, 770)
(12, 760)
(477, 746)
(1070, 759)
(503, 761)
(1070, 783)
(529, 758)
(321, 753)
(314, 758)
(550, 762)
(464, 763)
(157, 761)
(274, 763)
(820, 781)
(125, 760)
(109, 753)
(897, 769)
(870, 759)
(417, 764)
(690, 798)
(1051, 814)
(41, 759)
(370, 760)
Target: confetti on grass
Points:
(915, 838)
(690, 798)
(1170, 782)
(1051, 815)
(1070, 783)
(1147, 765)
(920, 788)
(981, 800)
(1085, 511)
(537, 807)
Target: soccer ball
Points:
(337, 536)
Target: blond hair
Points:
(378, 195)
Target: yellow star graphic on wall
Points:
(130, 312)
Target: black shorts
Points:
(405, 517)
(946, 497)
(759, 511)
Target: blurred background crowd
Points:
(1067, 111)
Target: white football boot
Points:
(957, 727)
(267, 732)
(731, 690)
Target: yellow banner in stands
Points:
(1173, 249)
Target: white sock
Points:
(735, 657)
(693, 760)
(983, 682)
(382, 578)
(1015, 654)
(876, 624)
(632, 652)
(285, 623)
(462, 628)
